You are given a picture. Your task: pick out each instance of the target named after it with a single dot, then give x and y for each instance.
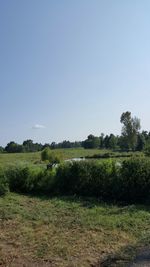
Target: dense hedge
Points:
(29, 179)
(4, 186)
(107, 180)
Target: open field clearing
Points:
(67, 153)
(34, 157)
(67, 231)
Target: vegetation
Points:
(35, 157)
(68, 231)
(78, 229)
(130, 130)
(128, 181)
(4, 187)
(53, 157)
(130, 139)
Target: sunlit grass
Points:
(67, 231)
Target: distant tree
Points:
(112, 142)
(92, 142)
(141, 142)
(106, 141)
(1, 149)
(46, 145)
(101, 138)
(66, 144)
(28, 145)
(130, 129)
(13, 147)
(147, 149)
(53, 145)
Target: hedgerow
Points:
(127, 181)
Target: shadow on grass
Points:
(91, 202)
(127, 257)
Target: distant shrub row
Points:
(114, 155)
(107, 180)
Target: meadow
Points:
(68, 153)
(42, 227)
(69, 231)
(35, 157)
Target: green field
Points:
(12, 158)
(67, 231)
(68, 153)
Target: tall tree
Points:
(130, 129)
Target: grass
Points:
(67, 231)
(67, 153)
(13, 158)
(35, 157)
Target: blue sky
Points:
(72, 67)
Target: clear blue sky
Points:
(73, 67)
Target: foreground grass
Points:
(36, 231)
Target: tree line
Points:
(130, 139)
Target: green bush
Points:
(128, 182)
(4, 187)
(135, 179)
(52, 157)
(29, 179)
(147, 150)
(107, 180)
(45, 154)
(84, 178)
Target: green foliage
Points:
(130, 130)
(135, 179)
(4, 188)
(91, 142)
(45, 154)
(60, 228)
(147, 149)
(13, 147)
(108, 180)
(29, 179)
(52, 157)
(84, 178)
(129, 181)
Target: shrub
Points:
(52, 157)
(4, 187)
(128, 181)
(84, 178)
(135, 179)
(45, 154)
(29, 179)
(147, 150)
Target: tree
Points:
(1, 149)
(130, 129)
(28, 145)
(112, 141)
(92, 142)
(141, 142)
(13, 147)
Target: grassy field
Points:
(67, 231)
(12, 158)
(68, 153)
